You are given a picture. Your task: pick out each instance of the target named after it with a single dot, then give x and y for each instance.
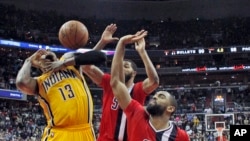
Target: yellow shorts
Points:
(75, 133)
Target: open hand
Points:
(107, 35)
(128, 39)
(35, 58)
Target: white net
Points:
(220, 133)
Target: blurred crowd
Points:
(43, 26)
(20, 120)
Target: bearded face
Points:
(128, 77)
(155, 109)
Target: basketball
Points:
(73, 34)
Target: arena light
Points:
(27, 45)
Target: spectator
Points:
(208, 110)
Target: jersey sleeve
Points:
(182, 135)
(138, 93)
(105, 80)
(105, 85)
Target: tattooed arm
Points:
(24, 82)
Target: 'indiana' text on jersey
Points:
(56, 77)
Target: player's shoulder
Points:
(182, 134)
(106, 77)
(181, 131)
(138, 84)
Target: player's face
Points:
(157, 106)
(49, 56)
(128, 70)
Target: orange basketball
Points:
(73, 34)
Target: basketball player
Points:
(152, 123)
(113, 121)
(63, 95)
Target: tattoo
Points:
(24, 77)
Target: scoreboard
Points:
(210, 50)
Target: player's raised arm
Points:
(92, 71)
(117, 76)
(87, 58)
(152, 80)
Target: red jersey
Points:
(113, 121)
(140, 129)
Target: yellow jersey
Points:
(65, 98)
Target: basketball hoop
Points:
(220, 132)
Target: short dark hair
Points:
(134, 66)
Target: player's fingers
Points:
(139, 32)
(143, 34)
(109, 27)
(41, 52)
(48, 68)
(47, 65)
(139, 37)
(115, 39)
(113, 27)
(47, 62)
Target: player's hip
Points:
(75, 132)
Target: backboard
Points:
(214, 121)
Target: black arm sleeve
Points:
(91, 57)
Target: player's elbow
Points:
(151, 85)
(20, 85)
(156, 81)
(19, 82)
(24, 85)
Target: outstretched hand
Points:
(128, 39)
(107, 35)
